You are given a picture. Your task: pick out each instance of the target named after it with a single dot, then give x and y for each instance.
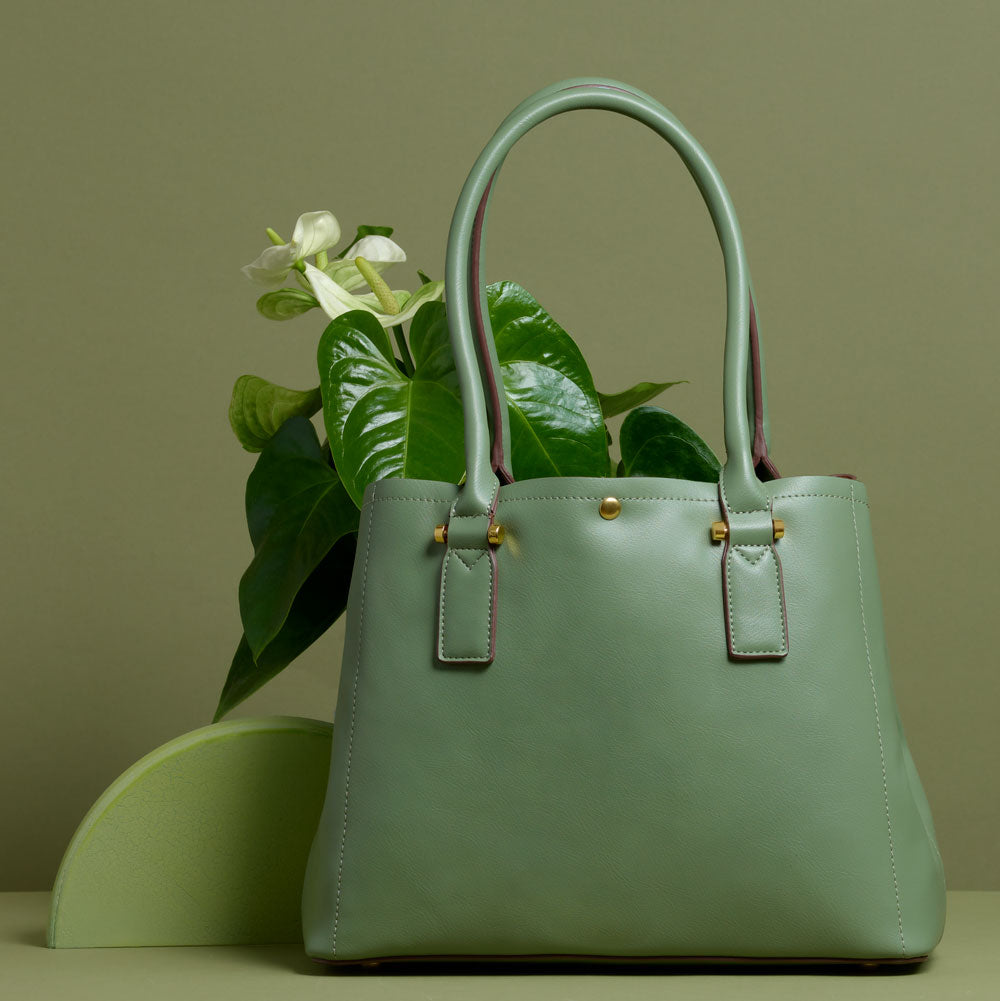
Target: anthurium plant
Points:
(391, 406)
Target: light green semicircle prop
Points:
(202, 842)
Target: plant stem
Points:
(404, 350)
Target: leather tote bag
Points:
(617, 719)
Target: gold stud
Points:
(779, 529)
(495, 534)
(610, 508)
(441, 533)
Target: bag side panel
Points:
(614, 784)
(321, 893)
(918, 873)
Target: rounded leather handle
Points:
(492, 382)
(738, 480)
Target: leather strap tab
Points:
(467, 618)
(753, 590)
(468, 597)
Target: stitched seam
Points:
(725, 500)
(444, 618)
(693, 500)
(486, 512)
(480, 554)
(878, 731)
(746, 545)
(781, 597)
(489, 611)
(729, 608)
(444, 598)
(516, 500)
(850, 500)
(350, 743)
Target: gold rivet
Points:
(610, 508)
(495, 534)
(779, 529)
(441, 533)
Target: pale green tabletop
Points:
(965, 965)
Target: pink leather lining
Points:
(496, 451)
(763, 466)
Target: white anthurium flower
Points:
(379, 251)
(335, 299)
(314, 232)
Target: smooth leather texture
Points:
(622, 777)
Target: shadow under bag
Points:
(632, 738)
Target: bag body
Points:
(617, 737)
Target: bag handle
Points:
(754, 616)
(492, 382)
(741, 490)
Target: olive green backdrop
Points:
(146, 147)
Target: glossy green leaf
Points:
(286, 303)
(258, 408)
(656, 443)
(424, 279)
(380, 421)
(556, 424)
(297, 509)
(613, 404)
(320, 602)
(266, 488)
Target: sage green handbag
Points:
(629, 719)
